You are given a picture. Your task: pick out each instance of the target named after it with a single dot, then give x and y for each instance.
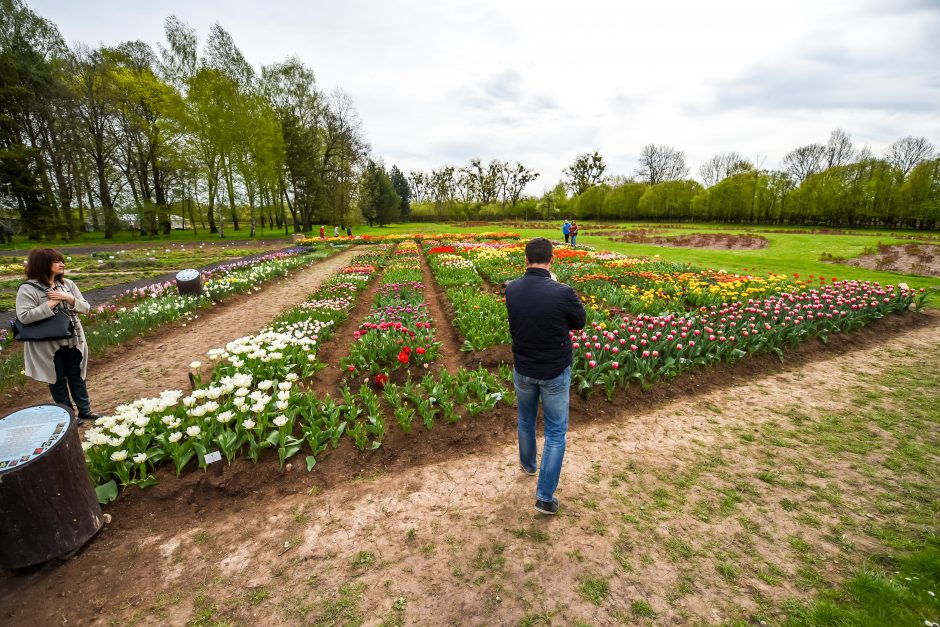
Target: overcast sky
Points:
(540, 82)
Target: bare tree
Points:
(418, 181)
(661, 163)
(518, 177)
(864, 154)
(839, 150)
(723, 165)
(484, 182)
(804, 161)
(465, 185)
(908, 152)
(585, 171)
(441, 188)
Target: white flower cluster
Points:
(270, 345)
(352, 277)
(333, 304)
(132, 418)
(448, 260)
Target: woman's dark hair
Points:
(39, 265)
(538, 250)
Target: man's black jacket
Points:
(541, 312)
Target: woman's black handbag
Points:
(58, 327)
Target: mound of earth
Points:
(922, 259)
(630, 233)
(717, 241)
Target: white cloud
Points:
(539, 82)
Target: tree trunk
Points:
(230, 188)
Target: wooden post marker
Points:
(189, 282)
(48, 506)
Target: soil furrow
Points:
(446, 333)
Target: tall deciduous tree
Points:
(97, 110)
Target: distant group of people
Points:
(570, 231)
(335, 231)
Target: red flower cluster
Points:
(381, 380)
(404, 355)
(441, 249)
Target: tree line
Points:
(189, 133)
(834, 184)
(104, 137)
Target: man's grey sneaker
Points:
(527, 471)
(547, 507)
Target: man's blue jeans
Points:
(555, 395)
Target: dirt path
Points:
(147, 366)
(447, 333)
(456, 541)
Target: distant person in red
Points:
(573, 231)
(322, 232)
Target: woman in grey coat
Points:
(62, 364)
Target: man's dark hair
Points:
(39, 265)
(538, 250)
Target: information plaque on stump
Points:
(189, 282)
(48, 506)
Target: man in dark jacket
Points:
(541, 313)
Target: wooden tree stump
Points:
(189, 282)
(48, 506)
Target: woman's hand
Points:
(55, 297)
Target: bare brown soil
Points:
(449, 357)
(623, 233)
(160, 361)
(717, 241)
(922, 259)
(444, 518)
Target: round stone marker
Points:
(189, 282)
